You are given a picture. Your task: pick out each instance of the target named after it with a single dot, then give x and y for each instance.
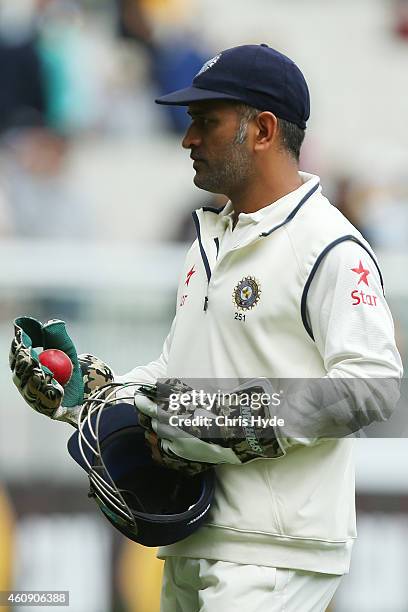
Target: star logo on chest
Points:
(362, 272)
(189, 275)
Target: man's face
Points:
(222, 162)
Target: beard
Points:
(228, 173)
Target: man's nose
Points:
(191, 138)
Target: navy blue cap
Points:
(256, 75)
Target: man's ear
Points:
(266, 130)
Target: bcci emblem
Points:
(247, 293)
(209, 64)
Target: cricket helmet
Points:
(148, 503)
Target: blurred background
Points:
(96, 196)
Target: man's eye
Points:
(201, 121)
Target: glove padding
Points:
(192, 456)
(194, 448)
(36, 383)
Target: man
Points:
(277, 286)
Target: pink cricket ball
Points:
(59, 363)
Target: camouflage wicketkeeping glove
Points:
(36, 383)
(193, 435)
(165, 456)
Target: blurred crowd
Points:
(73, 71)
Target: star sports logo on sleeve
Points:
(359, 297)
(362, 272)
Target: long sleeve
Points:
(354, 333)
(350, 318)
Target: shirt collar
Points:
(266, 218)
(277, 211)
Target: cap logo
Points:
(209, 64)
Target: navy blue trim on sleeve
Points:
(294, 211)
(200, 244)
(315, 268)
